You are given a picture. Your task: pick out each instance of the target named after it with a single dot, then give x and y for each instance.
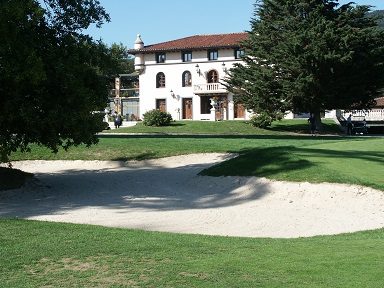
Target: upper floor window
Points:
(213, 54)
(187, 79)
(160, 80)
(160, 57)
(186, 56)
(239, 53)
(212, 76)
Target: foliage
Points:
(156, 118)
(51, 76)
(309, 56)
(262, 120)
(40, 254)
(123, 63)
(379, 16)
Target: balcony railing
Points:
(369, 115)
(209, 88)
(132, 92)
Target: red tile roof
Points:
(196, 42)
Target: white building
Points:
(183, 77)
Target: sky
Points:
(164, 20)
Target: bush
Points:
(262, 120)
(157, 118)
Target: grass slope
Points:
(229, 128)
(41, 254)
(357, 161)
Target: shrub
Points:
(157, 118)
(262, 120)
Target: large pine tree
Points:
(309, 56)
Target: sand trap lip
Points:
(168, 195)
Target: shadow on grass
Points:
(303, 128)
(267, 162)
(176, 124)
(138, 157)
(261, 162)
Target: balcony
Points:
(210, 88)
(376, 114)
(133, 92)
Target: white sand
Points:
(167, 195)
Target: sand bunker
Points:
(168, 195)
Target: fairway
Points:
(81, 255)
(43, 254)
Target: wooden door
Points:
(161, 105)
(239, 110)
(187, 108)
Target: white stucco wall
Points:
(173, 69)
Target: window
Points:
(160, 57)
(160, 80)
(187, 79)
(213, 76)
(186, 56)
(205, 105)
(239, 53)
(213, 54)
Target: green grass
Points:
(42, 254)
(228, 128)
(356, 161)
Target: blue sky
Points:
(159, 21)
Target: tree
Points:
(309, 56)
(52, 77)
(379, 15)
(123, 63)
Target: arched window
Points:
(160, 80)
(213, 76)
(187, 79)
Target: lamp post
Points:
(198, 69)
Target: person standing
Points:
(312, 124)
(349, 125)
(117, 120)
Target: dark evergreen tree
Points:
(123, 63)
(378, 15)
(51, 75)
(309, 56)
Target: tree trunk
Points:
(319, 125)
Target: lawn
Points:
(355, 161)
(229, 128)
(42, 254)
(279, 155)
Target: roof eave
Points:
(179, 49)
